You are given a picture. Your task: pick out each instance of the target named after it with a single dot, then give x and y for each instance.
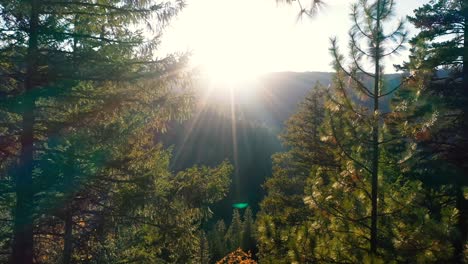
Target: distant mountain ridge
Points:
(271, 98)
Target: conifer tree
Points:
(234, 232)
(362, 207)
(204, 253)
(82, 96)
(436, 105)
(369, 21)
(217, 241)
(442, 29)
(414, 122)
(248, 229)
(444, 35)
(283, 211)
(366, 201)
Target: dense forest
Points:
(112, 151)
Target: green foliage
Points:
(234, 232)
(434, 103)
(82, 98)
(352, 196)
(217, 244)
(283, 209)
(204, 185)
(323, 210)
(83, 178)
(248, 242)
(142, 212)
(239, 235)
(204, 253)
(441, 25)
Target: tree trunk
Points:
(68, 236)
(23, 222)
(461, 202)
(465, 50)
(375, 140)
(23, 225)
(460, 241)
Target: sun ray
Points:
(234, 143)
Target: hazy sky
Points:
(245, 37)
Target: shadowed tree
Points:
(248, 229)
(438, 95)
(51, 48)
(217, 241)
(234, 232)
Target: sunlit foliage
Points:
(237, 257)
(84, 94)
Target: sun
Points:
(229, 46)
(229, 69)
(236, 40)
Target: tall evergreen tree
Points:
(416, 120)
(283, 211)
(369, 21)
(234, 232)
(82, 96)
(248, 229)
(438, 95)
(204, 253)
(217, 241)
(349, 219)
(442, 28)
(366, 201)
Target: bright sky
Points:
(248, 37)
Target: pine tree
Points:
(363, 204)
(369, 22)
(81, 88)
(283, 209)
(234, 232)
(441, 25)
(155, 218)
(217, 240)
(53, 46)
(443, 41)
(204, 252)
(248, 229)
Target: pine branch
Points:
(395, 88)
(110, 7)
(359, 67)
(360, 164)
(354, 15)
(354, 45)
(360, 85)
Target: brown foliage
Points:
(237, 257)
